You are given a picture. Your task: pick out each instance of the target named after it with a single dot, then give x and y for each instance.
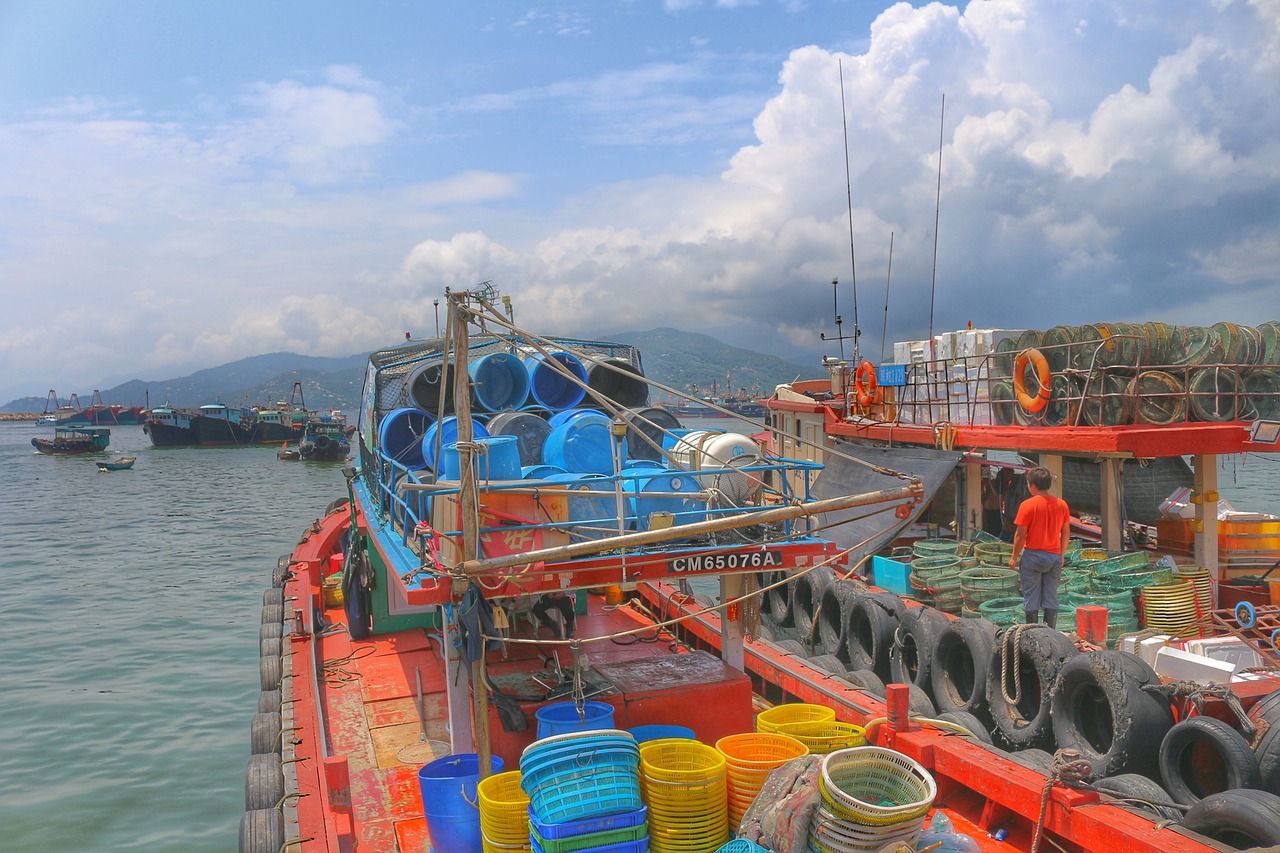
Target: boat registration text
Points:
(725, 562)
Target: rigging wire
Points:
(848, 189)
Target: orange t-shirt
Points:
(1044, 516)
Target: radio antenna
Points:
(888, 276)
(848, 185)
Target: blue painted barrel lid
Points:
(499, 382)
(400, 436)
(447, 430)
(582, 445)
(549, 387)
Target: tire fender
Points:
(1035, 655)
(263, 782)
(262, 831)
(960, 660)
(866, 681)
(806, 596)
(872, 623)
(1202, 756)
(913, 641)
(264, 733)
(1243, 819)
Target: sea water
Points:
(129, 630)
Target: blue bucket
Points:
(540, 472)
(583, 445)
(595, 510)
(549, 387)
(560, 718)
(639, 507)
(499, 382)
(448, 793)
(447, 430)
(499, 460)
(400, 436)
(645, 733)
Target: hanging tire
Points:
(833, 617)
(872, 623)
(961, 658)
(270, 700)
(272, 613)
(270, 673)
(263, 782)
(270, 647)
(264, 733)
(806, 595)
(1035, 655)
(792, 647)
(913, 641)
(283, 561)
(262, 831)
(1267, 749)
(1202, 756)
(866, 681)
(269, 630)
(970, 722)
(1131, 786)
(777, 602)
(1100, 708)
(279, 576)
(921, 704)
(1032, 759)
(274, 595)
(1240, 819)
(827, 663)
(338, 504)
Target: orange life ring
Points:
(864, 385)
(1041, 365)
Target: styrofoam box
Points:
(1185, 666)
(1230, 650)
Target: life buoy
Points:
(864, 385)
(1041, 365)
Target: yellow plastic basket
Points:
(680, 760)
(504, 810)
(825, 736)
(769, 719)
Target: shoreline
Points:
(19, 416)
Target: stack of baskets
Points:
(871, 797)
(685, 785)
(504, 813)
(938, 579)
(749, 758)
(770, 719)
(580, 776)
(620, 833)
(1170, 608)
(985, 583)
(825, 736)
(1003, 611)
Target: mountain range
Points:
(687, 361)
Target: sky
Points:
(185, 184)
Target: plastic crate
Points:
(640, 846)
(590, 840)
(587, 825)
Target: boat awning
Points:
(843, 476)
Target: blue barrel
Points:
(594, 510)
(499, 382)
(448, 793)
(447, 430)
(639, 507)
(400, 436)
(529, 428)
(559, 419)
(644, 733)
(499, 459)
(583, 445)
(540, 472)
(560, 718)
(549, 387)
(429, 384)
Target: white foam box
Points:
(1185, 666)
(1150, 647)
(944, 346)
(1230, 650)
(908, 352)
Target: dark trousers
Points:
(564, 604)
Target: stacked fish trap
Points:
(583, 786)
(1003, 611)
(870, 797)
(825, 736)
(685, 785)
(937, 578)
(749, 758)
(1182, 606)
(771, 719)
(986, 583)
(504, 813)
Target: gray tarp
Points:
(844, 477)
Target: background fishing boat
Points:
(74, 440)
(124, 463)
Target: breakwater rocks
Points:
(19, 416)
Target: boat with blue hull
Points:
(70, 441)
(481, 607)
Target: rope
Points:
(1195, 694)
(1069, 769)
(1016, 633)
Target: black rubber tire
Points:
(1240, 819)
(872, 623)
(1202, 756)
(792, 647)
(960, 660)
(272, 613)
(263, 782)
(920, 702)
(275, 595)
(806, 596)
(828, 663)
(269, 700)
(833, 617)
(970, 722)
(270, 629)
(1267, 711)
(270, 647)
(279, 577)
(334, 505)
(264, 733)
(777, 602)
(913, 641)
(1131, 786)
(1032, 759)
(262, 831)
(866, 681)
(283, 561)
(1041, 652)
(1100, 708)
(270, 673)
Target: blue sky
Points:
(184, 184)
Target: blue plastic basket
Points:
(742, 845)
(638, 846)
(594, 792)
(554, 770)
(590, 825)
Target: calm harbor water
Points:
(129, 626)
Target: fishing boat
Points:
(219, 425)
(124, 463)
(465, 601)
(284, 422)
(170, 427)
(74, 440)
(324, 440)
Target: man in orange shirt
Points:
(1043, 530)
